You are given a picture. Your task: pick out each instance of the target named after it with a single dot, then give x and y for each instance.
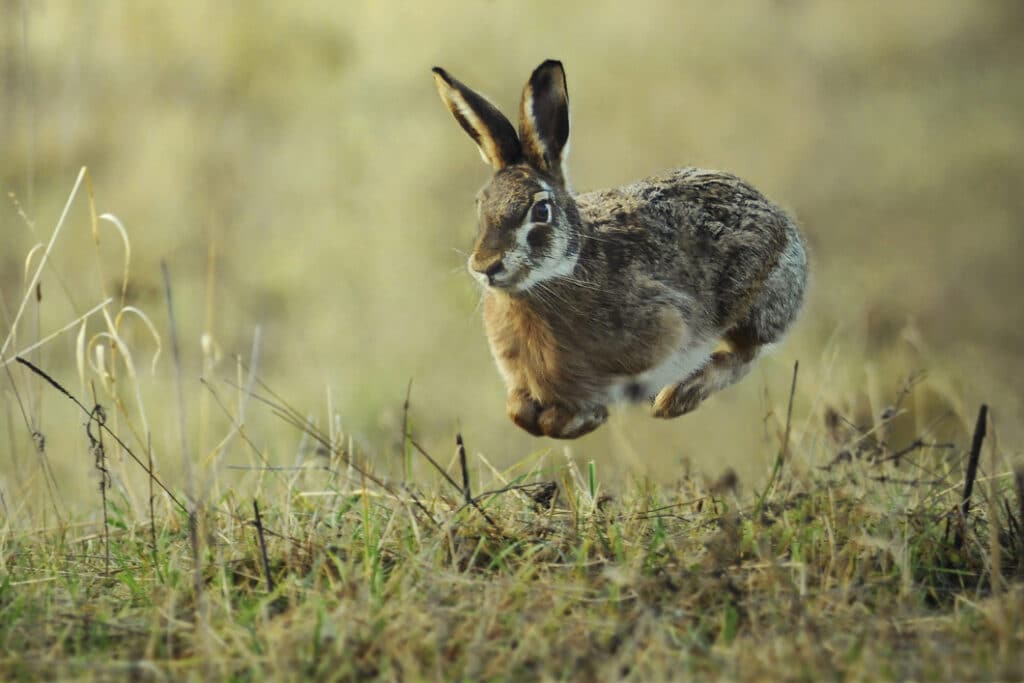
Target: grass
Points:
(849, 558)
(845, 572)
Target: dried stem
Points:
(972, 472)
(105, 429)
(1018, 476)
(152, 506)
(99, 416)
(197, 574)
(406, 453)
(263, 546)
(784, 450)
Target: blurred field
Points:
(293, 165)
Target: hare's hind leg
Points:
(725, 368)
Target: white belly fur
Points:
(677, 367)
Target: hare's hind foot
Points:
(724, 369)
(557, 421)
(681, 398)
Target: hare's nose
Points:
(493, 269)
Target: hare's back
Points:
(707, 232)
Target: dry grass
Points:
(765, 537)
(851, 570)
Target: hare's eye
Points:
(541, 212)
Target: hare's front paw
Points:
(680, 399)
(555, 420)
(562, 422)
(524, 410)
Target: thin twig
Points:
(540, 486)
(54, 335)
(39, 441)
(436, 465)
(284, 468)
(512, 487)
(30, 288)
(886, 479)
(105, 428)
(914, 445)
(662, 508)
(406, 460)
(236, 423)
(193, 518)
(284, 411)
(1018, 476)
(148, 469)
(972, 472)
(263, 546)
(99, 416)
(152, 508)
(789, 412)
(466, 491)
(784, 450)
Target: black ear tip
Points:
(549, 68)
(442, 73)
(548, 65)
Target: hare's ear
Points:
(544, 120)
(492, 132)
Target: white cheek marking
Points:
(677, 367)
(556, 264)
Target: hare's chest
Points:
(525, 348)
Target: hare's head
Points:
(528, 223)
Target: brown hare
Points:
(662, 291)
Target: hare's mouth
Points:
(499, 274)
(504, 281)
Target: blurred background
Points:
(294, 166)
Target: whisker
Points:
(479, 302)
(580, 283)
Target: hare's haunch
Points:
(661, 291)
